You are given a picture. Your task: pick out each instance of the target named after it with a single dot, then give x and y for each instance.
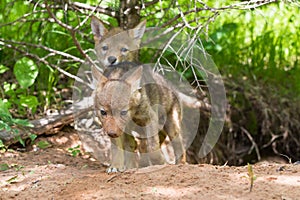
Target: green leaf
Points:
(22, 142)
(75, 151)
(26, 72)
(2, 144)
(22, 122)
(4, 126)
(3, 69)
(5, 120)
(4, 106)
(32, 137)
(4, 167)
(29, 101)
(9, 87)
(17, 167)
(43, 144)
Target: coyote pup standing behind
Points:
(141, 102)
(116, 45)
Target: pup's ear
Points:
(98, 29)
(134, 80)
(138, 31)
(98, 76)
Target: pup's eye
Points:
(123, 49)
(124, 112)
(103, 112)
(105, 48)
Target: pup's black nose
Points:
(112, 60)
(112, 134)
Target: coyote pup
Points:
(116, 45)
(141, 102)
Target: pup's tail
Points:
(192, 102)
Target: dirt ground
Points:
(52, 173)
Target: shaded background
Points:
(255, 45)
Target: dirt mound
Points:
(53, 173)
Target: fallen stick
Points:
(51, 124)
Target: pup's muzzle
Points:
(112, 134)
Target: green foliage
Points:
(43, 144)
(2, 146)
(257, 46)
(32, 137)
(8, 123)
(256, 50)
(36, 84)
(17, 167)
(3, 69)
(243, 43)
(4, 167)
(251, 176)
(29, 101)
(75, 151)
(25, 71)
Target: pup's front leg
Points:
(130, 146)
(144, 156)
(150, 152)
(174, 132)
(155, 154)
(117, 162)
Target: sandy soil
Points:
(52, 173)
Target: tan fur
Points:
(126, 105)
(116, 45)
(109, 46)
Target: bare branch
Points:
(147, 4)
(254, 145)
(238, 6)
(66, 26)
(106, 11)
(246, 5)
(55, 52)
(73, 34)
(37, 58)
(24, 18)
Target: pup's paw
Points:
(114, 170)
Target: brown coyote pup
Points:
(143, 103)
(116, 45)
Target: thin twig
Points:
(73, 35)
(106, 11)
(55, 52)
(37, 58)
(254, 145)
